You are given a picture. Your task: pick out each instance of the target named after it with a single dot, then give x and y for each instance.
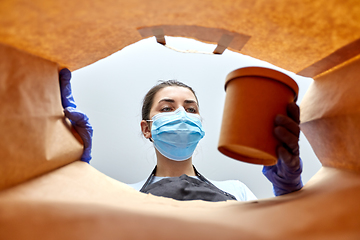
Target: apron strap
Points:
(149, 180)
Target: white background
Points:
(111, 91)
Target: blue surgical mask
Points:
(176, 134)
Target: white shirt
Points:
(236, 188)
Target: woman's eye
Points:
(166, 109)
(191, 110)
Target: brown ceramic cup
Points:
(254, 96)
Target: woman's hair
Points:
(149, 97)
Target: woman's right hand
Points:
(78, 119)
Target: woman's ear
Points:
(145, 128)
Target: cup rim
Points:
(264, 72)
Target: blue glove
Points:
(79, 120)
(286, 174)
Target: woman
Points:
(171, 121)
(174, 166)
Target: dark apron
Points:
(185, 188)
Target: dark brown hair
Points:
(149, 97)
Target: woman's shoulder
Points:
(138, 185)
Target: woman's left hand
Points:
(286, 174)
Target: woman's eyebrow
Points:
(167, 100)
(172, 101)
(190, 101)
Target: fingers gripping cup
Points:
(254, 96)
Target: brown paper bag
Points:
(35, 138)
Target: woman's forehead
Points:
(176, 93)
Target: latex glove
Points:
(286, 174)
(78, 119)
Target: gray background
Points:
(111, 90)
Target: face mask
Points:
(176, 134)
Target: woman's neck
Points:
(169, 168)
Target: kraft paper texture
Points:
(45, 193)
(78, 202)
(35, 137)
(292, 34)
(330, 116)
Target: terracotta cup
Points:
(254, 96)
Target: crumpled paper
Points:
(330, 116)
(292, 34)
(35, 137)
